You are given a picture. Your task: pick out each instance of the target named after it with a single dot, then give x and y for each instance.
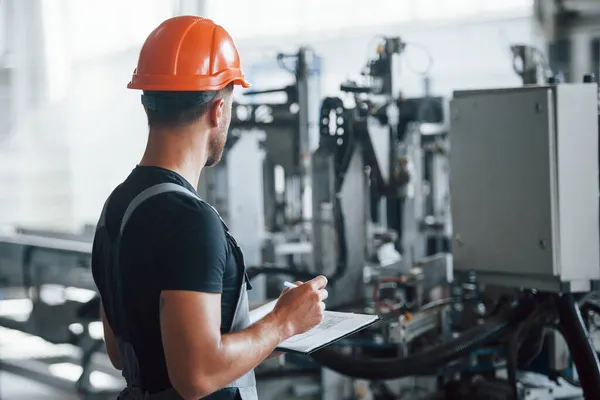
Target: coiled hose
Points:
(423, 363)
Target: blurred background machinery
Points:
(466, 219)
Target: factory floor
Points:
(14, 387)
(31, 368)
(18, 346)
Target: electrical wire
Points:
(254, 271)
(327, 107)
(536, 317)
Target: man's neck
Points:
(181, 152)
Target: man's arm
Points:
(201, 360)
(110, 342)
(193, 259)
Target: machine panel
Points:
(524, 185)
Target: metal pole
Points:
(302, 75)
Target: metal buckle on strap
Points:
(247, 279)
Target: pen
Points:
(289, 285)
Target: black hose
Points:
(424, 363)
(328, 105)
(340, 227)
(582, 350)
(535, 318)
(341, 265)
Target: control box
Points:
(524, 186)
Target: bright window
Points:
(255, 18)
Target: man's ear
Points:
(216, 112)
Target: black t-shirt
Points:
(171, 242)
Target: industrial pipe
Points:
(424, 363)
(582, 350)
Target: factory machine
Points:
(470, 227)
(524, 239)
(262, 185)
(379, 222)
(525, 248)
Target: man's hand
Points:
(301, 309)
(200, 360)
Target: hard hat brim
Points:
(188, 83)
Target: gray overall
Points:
(113, 303)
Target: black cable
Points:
(342, 262)
(582, 350)
(340, 227)
(532, 352)
(535, 319)
(514, 345)
(338, 215)
(423, 363)
(512, 355)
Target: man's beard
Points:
(216, 147)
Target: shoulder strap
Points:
(145, 195)
(153, 191)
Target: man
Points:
(171, 278)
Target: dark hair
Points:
(176, 109)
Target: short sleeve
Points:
(193, 250)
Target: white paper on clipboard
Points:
(335, 326)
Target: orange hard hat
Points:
(188, 53)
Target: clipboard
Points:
(334, 327)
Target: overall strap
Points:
(246, 384)
(153, 191)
